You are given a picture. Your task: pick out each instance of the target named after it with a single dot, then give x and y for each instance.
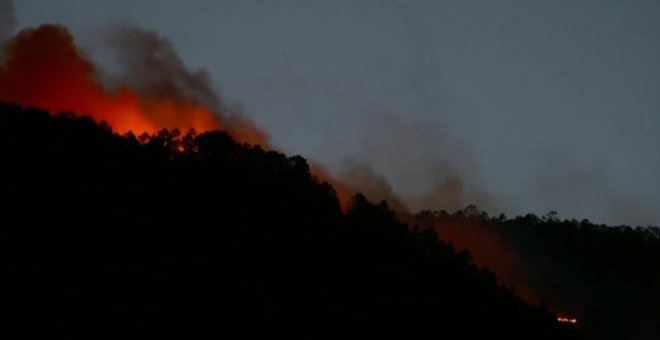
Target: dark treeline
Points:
(607, 276)
(106, 234)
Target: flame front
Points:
(44, 69)
(564, 319)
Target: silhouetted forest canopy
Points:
(194, 233)
(607, 275)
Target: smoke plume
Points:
(149, 64)
(44, 68)
(361, 177)
(7, 25)
(488, 250)
(7, 19)
(150, 88)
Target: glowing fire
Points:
(45, 69)
(344, 194)
(564, 319)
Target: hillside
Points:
(191, 233)
(607, 276)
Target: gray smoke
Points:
(417, 163)
(7, 19)
(362, 178)
(7, 25)
(149, 64)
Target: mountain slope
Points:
(607, 276)
(107, 234)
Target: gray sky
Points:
(532, 105)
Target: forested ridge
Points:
(608, 276)
(194, 233)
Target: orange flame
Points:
(563, 319)
(44, 69)
(344, 194)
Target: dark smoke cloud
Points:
(453, 189)
(448, 194)
(7, 19)
(7, 25)
(426, 167)
(149, 64)
(362, 178)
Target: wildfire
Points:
(344, 194)
(563, 319)
(45, 69)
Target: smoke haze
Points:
(524, 106)
(386, 107)
(7, 19)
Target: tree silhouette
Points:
(152, 235)
(606, 275)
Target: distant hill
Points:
(193, 233)
(607, 276)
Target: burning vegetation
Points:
(45, 69)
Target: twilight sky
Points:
(516, 105)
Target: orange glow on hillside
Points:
(44, 69)
(566, 320)
(344, 194)
(488, 250)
